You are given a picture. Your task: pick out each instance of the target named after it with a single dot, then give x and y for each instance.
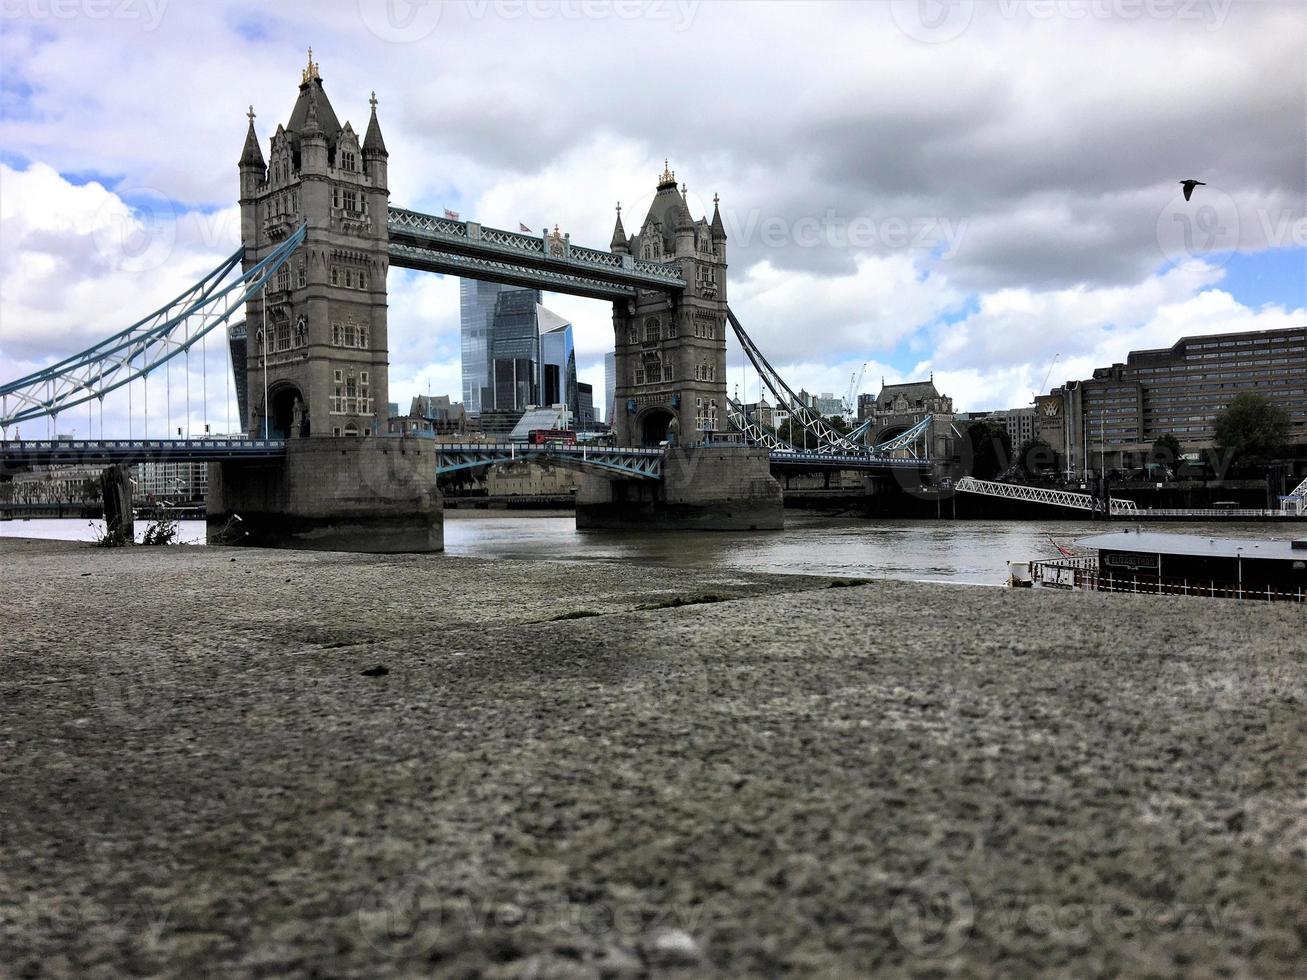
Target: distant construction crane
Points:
(855, 382)
(1047, 374)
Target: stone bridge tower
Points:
(324, 353)
(671, 353)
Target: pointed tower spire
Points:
(619, 243)
(373, 144)
(252, 156)
(718, 229)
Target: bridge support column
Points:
(708, 488)
(374, 495)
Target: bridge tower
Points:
(317, 356)
(322, 358)
(671, 387)
(671, 353)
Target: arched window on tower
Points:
(653, 331)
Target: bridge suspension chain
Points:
(754, 431)
(829, 439)
(135, 351)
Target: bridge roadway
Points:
(619, 461)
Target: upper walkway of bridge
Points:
(549, 261)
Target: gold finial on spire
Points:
(619, 207)
(669, 176)
(715, 199)
(373, 101)
(250, 115)
(311, 71)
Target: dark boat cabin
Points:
(1240, 562)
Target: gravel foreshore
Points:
(567, 769)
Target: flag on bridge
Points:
(451, 215)
(522, 227)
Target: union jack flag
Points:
(522, 227)
(1065, 552)
(451, 215)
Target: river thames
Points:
(971, 552)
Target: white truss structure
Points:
(1042, 495)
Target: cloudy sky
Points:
(947, 186)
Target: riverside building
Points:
(1112, 419)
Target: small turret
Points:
(619, 242)
(718, 229)
(252, 156)
(253, 169)
(375, 156)
(373, 144)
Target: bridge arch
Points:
(287, 411)
(887, 433)
(653, 424)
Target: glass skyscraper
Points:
(557, 360)
(477, 305)
(515, 352)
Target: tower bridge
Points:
(319, 237)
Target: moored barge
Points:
(1176, 564)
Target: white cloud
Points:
(1059, 168)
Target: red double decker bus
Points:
(551, 437)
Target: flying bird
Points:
(1189, 186)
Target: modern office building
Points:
(826, 404)
(1112, 419)
(237, 342)
(478, 302)
(585, 407)
(557, 360)
(514, 353)
(171, 481)
(610, 386)
(1020, 423)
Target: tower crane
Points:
(855, 382)
(1047, 374)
